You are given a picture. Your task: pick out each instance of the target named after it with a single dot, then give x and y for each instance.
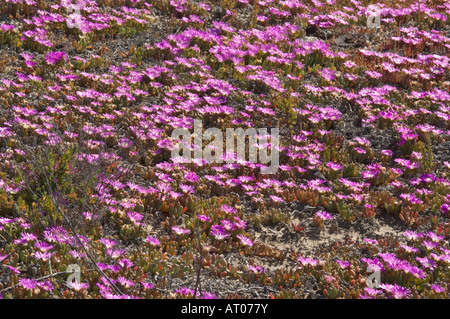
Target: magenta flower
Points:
(430, 244)
(3, 257)
(276, 198)
(239, 223)
(135, 217)
(245, 241)
(27, 56)
(14, 269)
(427, 263)
(371, 241)
(147, 285)
(28, 283)
(115, 253)
(56, 234)
(328, 74)
(374, 263)
(434, 237)
(109, 243)
(370, 293)
(409, 249)
(125, 263)
(412, 235)
(228, 225)
(46, 285)
(256, 269)
(335, 166)
(44, 256)
(219, 232)
(153, 241)
(43, 246)
(54, 57)
(77, 286)
(445, 208)
(28, 237)
(180, 230)
(323, 215)
(204, 218)
(350, 64)
(387, 152)
(427, 178)
(374, 74)
(437, 288)
(399, 292)
(125, 282)
(4, 220)
(191, 177)
(343, 264)
(190, 292)
(228, 209)
(187, 189)
(307, 261)
(87, 215)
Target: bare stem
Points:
(199, 261)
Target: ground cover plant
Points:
(93, 205)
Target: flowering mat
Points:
(94, 205)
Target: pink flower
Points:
(409, 249)
(115, 253)
(53, 57)
(153, 241)
(125, 282)
(328, 74)
(43, 246)
(44, 256)
(109, 243)
(219, 232)
(228, 209)
(46, 285)
(14, 269)
(323, 215)
(191, 177)
(307, 261)
(398, 292)
(374, 74)
(204, 218)
(180, 230)
(77, 286)
(256, 269)
(427, 263)
(412, 235)
(387, 152)
(335, 166)
(430, 244)
(147, 285)
(28, 283)
(445, 208)
(276, 198)
(3, 257)
(343, 264)
(437, 288)
(135, 217)
(245, 241)
(371, 241)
